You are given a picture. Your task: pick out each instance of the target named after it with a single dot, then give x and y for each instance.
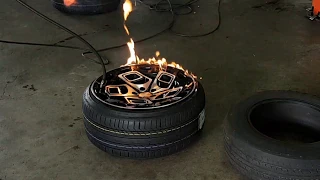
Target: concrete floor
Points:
(258, 47)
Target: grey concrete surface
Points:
(260, 46)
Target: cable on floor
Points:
(174, 10)
(160, 6)
(92, 49)
(40, 44)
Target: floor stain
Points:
(33, 88)
(77, 119)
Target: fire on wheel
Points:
(145, 108)
(144, 112)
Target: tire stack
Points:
(143, 133)
(86, 7)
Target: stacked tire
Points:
(86, 7)
(143, 133)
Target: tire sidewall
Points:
(86, 7)
(87, 3)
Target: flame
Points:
(134, 59)
(161, 62)
(69, 2)
(127, 8)
(127, 30)
(157, 54)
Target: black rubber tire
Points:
(146, 133)
(258, 156)
(87, 7)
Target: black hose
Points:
(41, 44)
(93, 50)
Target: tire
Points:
(256, 140)
(87, 7)
(148, 133)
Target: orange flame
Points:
(134, 59)
(127, 8)
(127, 30)
(157, 54)
(69, 2)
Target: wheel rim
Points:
(144, 86)
(286, 120)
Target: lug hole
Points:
(142, 89)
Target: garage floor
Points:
(260, 46)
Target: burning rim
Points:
(144, 86)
